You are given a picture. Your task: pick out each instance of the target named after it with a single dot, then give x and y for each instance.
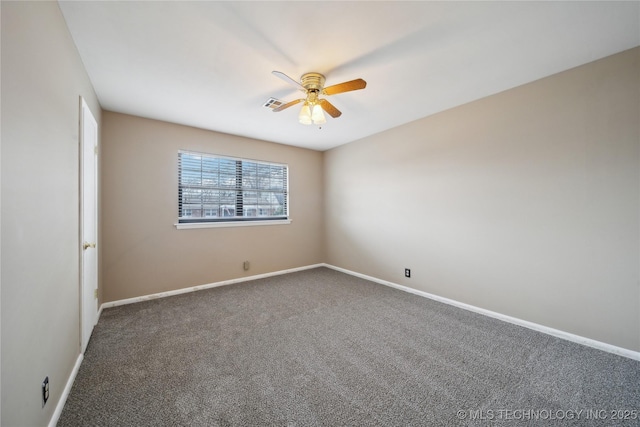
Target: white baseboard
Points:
(65, 393)
(530, 325)
(201, 287)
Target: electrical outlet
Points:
(245, 265)
(407, 272)
(45, 391)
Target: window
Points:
(224, 189)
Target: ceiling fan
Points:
(312, 84)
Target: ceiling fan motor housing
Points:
(312, 81)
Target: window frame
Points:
(239, 189)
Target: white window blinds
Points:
(213, 188)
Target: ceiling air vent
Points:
(272, 103)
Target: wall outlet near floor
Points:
(407, 272)
(245, 265)
(45, 391)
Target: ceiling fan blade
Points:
(287, 105)
(330, 109)
(345, 87)
(289, 80)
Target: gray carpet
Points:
(319, 347)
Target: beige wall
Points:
(525, 203)
(42, 80)
(143, 252)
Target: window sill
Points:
(186, 226)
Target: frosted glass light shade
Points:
(317, 115)
(305, 115)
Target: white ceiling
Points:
(208, 64)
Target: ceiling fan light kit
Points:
(313, 85)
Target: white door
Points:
(88, 223)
